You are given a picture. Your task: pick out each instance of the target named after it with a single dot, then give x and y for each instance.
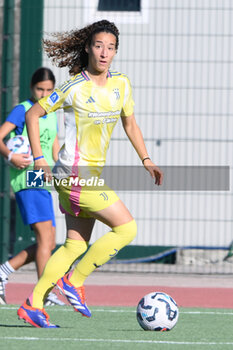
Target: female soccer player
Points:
(35, 205)
(93, 100)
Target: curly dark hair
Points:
(68, 48)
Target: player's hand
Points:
(155, 172)
(21, 161)
(42, 164)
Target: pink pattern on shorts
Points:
(75, 189)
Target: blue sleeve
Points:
(17, 117)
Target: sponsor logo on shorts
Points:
(104, 195)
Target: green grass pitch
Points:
(117, 328)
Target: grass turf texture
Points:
(117, 328)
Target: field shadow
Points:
(15, 326)
(125, 330)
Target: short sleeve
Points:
(17, 117)
(128, 104)
(55, 101)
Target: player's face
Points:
(101, 51)
(42, 89)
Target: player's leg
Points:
(40, 253)
(41, 218)
(44, 231)
(32, 309)
(123, 231)
(60, 262)
(24, 257)
(45, 238)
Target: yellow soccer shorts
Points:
(79, 200)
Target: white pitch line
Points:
(116, 341)
(206, 312)
(69, 309)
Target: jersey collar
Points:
(85, 76)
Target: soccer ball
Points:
(157, 311)
(19, 144)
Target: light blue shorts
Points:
(35, 206)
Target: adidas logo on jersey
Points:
(90, 100)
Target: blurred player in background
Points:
(35, 205)
(94, 99)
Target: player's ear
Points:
(87, 48)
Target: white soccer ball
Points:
(19, 144)
(157, 311)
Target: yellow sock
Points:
(103, 250)
(56, 267)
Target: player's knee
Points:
(53, 245)
(74, 246)
(53, 238)
(128, 230)
(133, 229)
(46, 245)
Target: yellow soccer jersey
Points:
(91, 113)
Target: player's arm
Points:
(33, 129)
(5, 129)
(134, 134)
(56, 148)
(20, 161)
